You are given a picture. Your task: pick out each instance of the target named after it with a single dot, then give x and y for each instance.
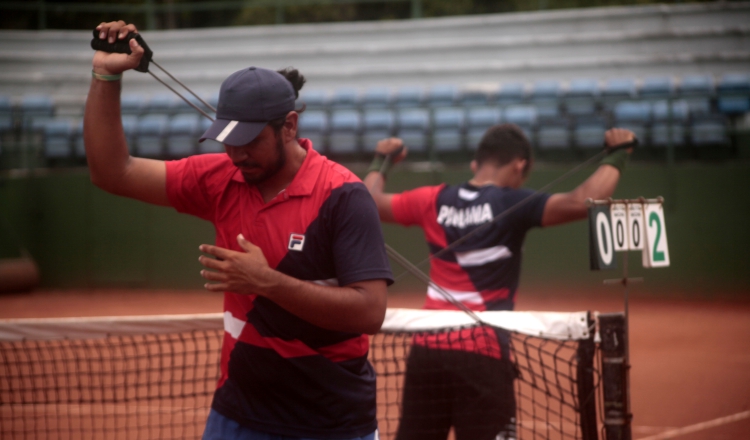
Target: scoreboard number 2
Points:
(655, 248)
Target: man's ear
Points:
(520, 165)
(290, 126)
(473, 166)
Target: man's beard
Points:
(274, 168)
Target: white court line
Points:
(699, 426)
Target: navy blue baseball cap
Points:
(248, 100)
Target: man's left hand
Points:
(239, 272)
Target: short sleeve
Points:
(193, 182)
(358, 245)
(415, 206)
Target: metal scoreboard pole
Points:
(621, 226)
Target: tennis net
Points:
(154, 376)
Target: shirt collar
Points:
(304, 181)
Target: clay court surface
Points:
(690, 358)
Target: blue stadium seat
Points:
(377, 124)
(79, 149)
(617, 90)
(581, 97)
(588, 132)
(545, 96)
(413, 126)
(57, 136)
(149, 134)
(733, 93)
(698, 91)
(664, 122)
(442, 96)
(132, 103)
(160, 104)
(524, 116)
(478, 120)
(554, 134)
(658, 87)
(709, 130)
(313, 125)
(476, 97)
(344, 98)
(182, 135)
(6, 115)
(376, 97)
(511, 93)
(447, 129)
(208, 145)
(634, 116)
(314, 99)
(345, 131)
(35, 108)
(182, 107)
(408, 97)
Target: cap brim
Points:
(234, 133)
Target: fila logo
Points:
(296, 242)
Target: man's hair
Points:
(297, 80)
(501, 144)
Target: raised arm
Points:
(394, 149)
(110, 164)
(570, 206)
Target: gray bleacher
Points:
(563, 76)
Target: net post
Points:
(614, 370)
(585, 383)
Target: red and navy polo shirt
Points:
(279, 373)
(483, 271)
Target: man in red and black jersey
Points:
(482, 272)
(299, 253)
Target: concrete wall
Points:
(82, 236)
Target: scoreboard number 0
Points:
(601, 243)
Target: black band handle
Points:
(632, 144)
(123, 46)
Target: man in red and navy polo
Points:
(481, 270)
(299, 253)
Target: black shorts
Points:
(444, 388)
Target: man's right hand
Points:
(393, 147)
(106, 63)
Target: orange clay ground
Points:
(690, 358)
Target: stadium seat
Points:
(511, 93)
(182, 134)
(709, 131)
(476, 97)
(35, 108)
(658, 87)
(377, 124)
(698, 92)
(442, 96)
(57, 135)
(314, 99)
(588, 132)
(581, 97)
(617, 90)
(663, 122)
(524, 116)
(344, 98)
(447, 131)
(208, 145)
(408, 97)
(376, 97)
(413, 126)
(345, 131)
(478, 120)
(132, 103)
(182, 107)
(313, 125)
(149, 133)
(634, 116)
(544, 96)
(554, 134)
(160, 104)
(733, 94)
